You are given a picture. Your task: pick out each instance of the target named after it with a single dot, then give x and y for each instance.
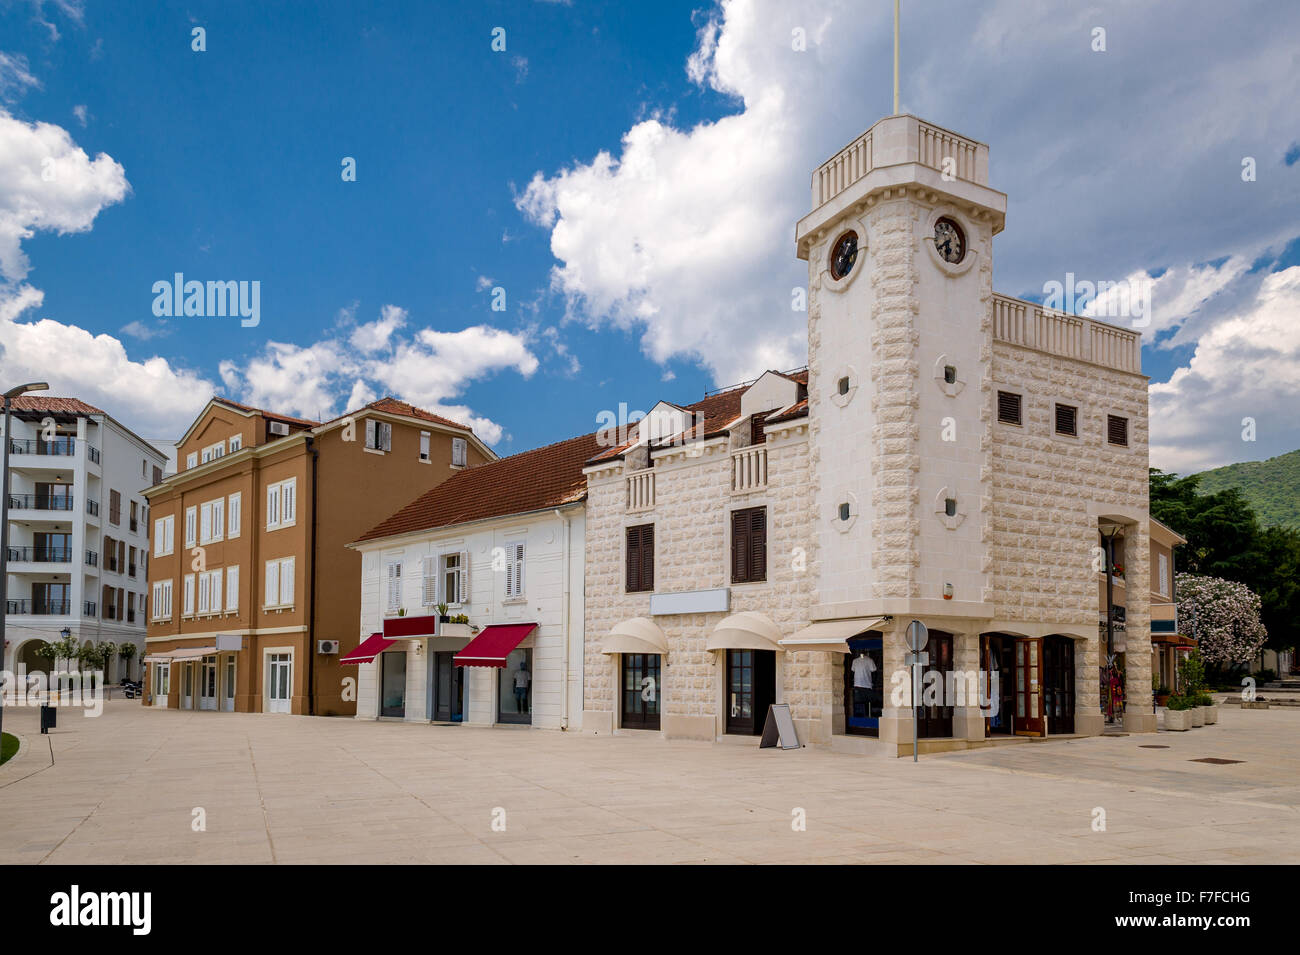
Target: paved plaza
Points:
(124, 788)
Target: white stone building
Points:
(501, 545)
(78, 531)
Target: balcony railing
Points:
(93, 453)
(92, 559)
(59, 446)
(88, 608)
(41, 502)
(1030, 325)
(41, 554)
(92, 508)
(641, 490)
(748, 469)
(39, 608)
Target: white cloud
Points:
(482, 283)
(48, 183)
(80, 112)
(376, 335)
(140, 330)
(15, 78)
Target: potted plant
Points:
(442, 613)
(1194, 710)
(1178, 716)
(1209, 709)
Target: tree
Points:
(63, 649)
(1223, 616)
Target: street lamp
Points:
(4, 517)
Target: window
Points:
(424, 445)
(205, 592)
(452, 578)
(279, 582)
(639, 570)
(162, 600)
(212, 521)
(135, 515)
(950, 374)
(459, 452)
(114, 507)
(187, 607)
(515, 569)
(950, 506)
(379, 435)
(1117, 430)
(843, 385)
(214, 451)
(394, 586)
(1008, 407)
(1162, 575)
(749, 545)
(164, 534)
(756, 433)
(1067, 420)
(281, 504)
(845, 511)
(233, 508)
(162, 681)
(191, 460)
(191, 530)
(236, 443)
(157, 474)
(232, 588)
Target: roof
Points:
(797, 410)
(274, 416)
(529, 481)
(391, 405)
(50, 405)
(715, 413)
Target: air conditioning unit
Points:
(327, 646)
(279, 427)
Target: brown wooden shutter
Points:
(739, 546)
(1008, 407)
(758, 544)
(121, 599)
(633, 581)
(648, 557)
(1067, 419)
(1117, 430)
(756, 433)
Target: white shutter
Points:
(214, 592)
(385, 436)
(464, 577)
(190, 523)
(167, 598)
(519, 569)
(205, 589)
(158, 526)
(370, 433)
(273, 506)
(218, 519)
(272, 595)
(171, 533)
(236, 500)
(205, 523)
(156, 603)
(429, 582)
(289, 502)
(394, 585)
(232, 588)
(188, 606)
(286, 581)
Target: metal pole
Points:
(916, 667)
(896, 57)
(4, 551)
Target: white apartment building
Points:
(78, 531)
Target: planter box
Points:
(1197, 716)
(1254, 705)
(1211, 714)
(1179, 721)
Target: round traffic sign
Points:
(917, 636)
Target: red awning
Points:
(370, 648)
(493, 644)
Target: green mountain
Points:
(1272, 487)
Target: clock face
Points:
(949, 241)
(844, 255)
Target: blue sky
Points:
(630, 175)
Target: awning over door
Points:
(190, 653)
(370, 648)
(493, 644)
(156, 658)
(746, 630)
(635, 635)
(832, 635)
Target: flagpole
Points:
(896, 57)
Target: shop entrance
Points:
(208, 684)
(1028, 687)
(997, 657)
(640, 691)
(935, 721)
(751, 689)
(392, 693)
(864, 694)
(449, 689)
(1058, 683)
(515, 688)
(279, 683)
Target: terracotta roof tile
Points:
(273, 415)
(797, 410)
(47, 403)
(529, 481)
(391, 405)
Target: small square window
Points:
(844, 385)
(1008, 407)
(844, 512)
(950, 374)
(950, 506)
(1117, 430)
(1067, 420)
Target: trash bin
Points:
(49, 718)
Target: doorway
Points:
(864, 694)
(208, 683)
(934, 721)
(751, 689)
(449, 692)
(515, 688)
(997, 672)
(187, 686)
(228, 698)
(392, 685)
(279, 683)
(1058, 683)
(640, 690)
(1028, 687)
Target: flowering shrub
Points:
(1223, 615)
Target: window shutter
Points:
(519, 570)
(219, 518)
(1067, 419)
(232, 588)
(273, 505)
(429, 582)
(758, 544)
(189, 594)
(464, 577)
(756, 433)
(1008, 407)
(286, 581)
(205, 523)
(236, 502)
(289, 501)
(632, 583)
(190, 521)
(272, 596)
(158, 526)
(205, 585)
(216, 591)
(648, 557)
(1117, 430)
(385, 436)
(739, 546)
(370, 433)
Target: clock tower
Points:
(899, 246)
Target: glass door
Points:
(935, 720)
(864, 694)
(392, 699)
(1058, 683)
(208, 684)
(1028, 689)
(515, 688)
(228, 698)
(751, 688)
(280, 682)
(449, 699)
(640, 691)
(187, 686)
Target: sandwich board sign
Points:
(779, 728)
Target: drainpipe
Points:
(311, 611)
(564, 711)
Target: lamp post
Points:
(4, 518)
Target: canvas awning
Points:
(369, 648)
(746, 630)
(190, 653)
(156, 658)
(832, 635)
(635, 635)
(493, 644)
(1173, 639)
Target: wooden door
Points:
(1058, 683)
(935, 720)
(641, 691)
(1028, 687)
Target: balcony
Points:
(40, 554)
(641, 490)
(64, 447)
(92, 559)
(88, 608)
(93, 454)
(40, 502)
(38, 608)
(1029, 325)
(749, 469)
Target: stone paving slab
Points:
(285, 789)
